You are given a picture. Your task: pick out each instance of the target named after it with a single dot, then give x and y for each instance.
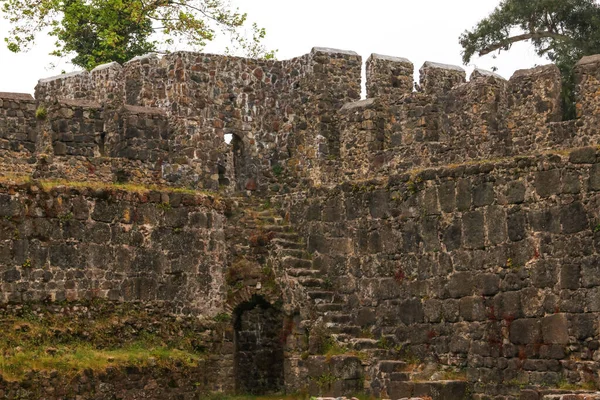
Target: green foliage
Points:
(222, 317)
(70, 343)
(164, 206)
(101, 31)
(384, 343)
(561, 30)
(65, 217)
(41, 113)
(277, 169)
(325, 381)
(583, 385)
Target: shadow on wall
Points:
(258, 358)
(239, 168)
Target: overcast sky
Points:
(424, 30)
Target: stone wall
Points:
(287, 116)
(71, 244)
(490, 266)
(448, 221)
(108, 328)
(207, 96)
(17, 123)
(449, 121)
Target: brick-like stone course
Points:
(74, 244)
(488, 266)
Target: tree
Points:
(561, 30)
(101, 31)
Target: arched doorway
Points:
(259, 345)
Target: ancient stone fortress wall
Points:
(449, 223)
(204, 97)
(489, 266)
(72, 244)
(448, 120)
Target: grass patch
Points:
(72, 358)
(109, 336)
(48, 184)
(586, 386)
(219, 396)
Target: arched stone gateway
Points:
(258, 359)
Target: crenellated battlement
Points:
(169, 116)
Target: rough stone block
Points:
(555, 329)
(460, 285)
(547, 183)
(573, 218)
(473, 230)
(525, 331)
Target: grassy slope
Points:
(69, 343)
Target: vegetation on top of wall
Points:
(48, 184)
(69, 342)
(561, 30)
(222, 396)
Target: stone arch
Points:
(259, 347)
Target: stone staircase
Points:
(266, 235)
(260, 234)
(397, 380)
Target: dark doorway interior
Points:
(239, 161)
(258, 348)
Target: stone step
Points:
(266, 213)
(557, 394)
(298, 272)
(325, 307)
(338, 318)
(298, 253)
(392, 366)
(343, 338)
(378, 353)
(437, 390)
(268, 219)
(290, 236)
(293, 262)
(311, 282)
(343, 328)
(398, 376)
(323, 295)
(364, 343)
(288, 244)
(275, 228)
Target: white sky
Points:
(424, 30)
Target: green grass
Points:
(72, 358)
(219, 396)
(48, 184)
(69, 344)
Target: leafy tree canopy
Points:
(561, 30)
(101, 31)
(558, 29)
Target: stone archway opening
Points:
(258, 358)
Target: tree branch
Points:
(525, 36)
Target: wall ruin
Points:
(448, 223)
